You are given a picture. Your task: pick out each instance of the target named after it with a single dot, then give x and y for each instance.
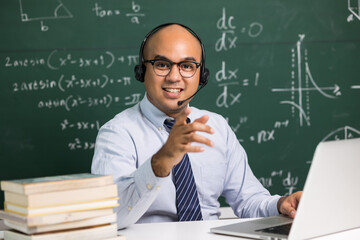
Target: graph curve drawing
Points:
(354, 8)
(346, 132)
(302, 83)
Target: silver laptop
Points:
(330, 200)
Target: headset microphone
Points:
(182, 102)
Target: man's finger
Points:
(198, 139)
(198, 127)
(181, 118)
(203, 119)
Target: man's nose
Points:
(174, 74)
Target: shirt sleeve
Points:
(115, 154)
(242, 190)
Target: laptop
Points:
(330, 200)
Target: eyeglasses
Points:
(162, 67)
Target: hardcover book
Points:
(55, 183)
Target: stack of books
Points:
(71, 207)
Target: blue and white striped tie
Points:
(187, 202)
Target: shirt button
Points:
(129, 208)
(160, 128)
(157, 187)
(148, 186)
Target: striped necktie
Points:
(187, 201)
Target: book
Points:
(90, 233)
(51, 199)
(3, 227)
(61, 226)
(55, 183)
(117, 238)
(26, 211)
(56, 218)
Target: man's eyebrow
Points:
(165, 58)
(161, 57)
(190, 58)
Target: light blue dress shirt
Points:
(124, 148)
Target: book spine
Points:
(62, 197)
(53, 186)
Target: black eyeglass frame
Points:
(152, 61)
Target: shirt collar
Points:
(152, 113)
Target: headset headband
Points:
(140, 68)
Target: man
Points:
(145, 151)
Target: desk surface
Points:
(200, 230)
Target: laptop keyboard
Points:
(281, 229)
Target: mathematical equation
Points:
(72, 101)
(58, 59)
(78, 144)
(57, 10)
(227, 78)
(135, 15)
(227, 29)
(261, 136)
(64, 83)
(288, 181)
(79, 125)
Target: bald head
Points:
(173, 37)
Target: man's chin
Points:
(174, 109)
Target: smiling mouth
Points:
(172, 90)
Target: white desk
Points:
(200, 231)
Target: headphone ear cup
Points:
(139, 71)
(204, 77)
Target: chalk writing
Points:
(64, 83)
(346, 132)
(26, 62)
(288, 181)
(228, 38)
(227, 29)
(135, 14)
(265, 136)
(354, 8)
(301, 71)
(132, 99)
(261, 136)
(100, 12)
(79, 125)
(223, 99)
(77, 144)
(279, 124)
(226, 98)
(50, 10)
(58, 59)
(71, 102)
(241, 122)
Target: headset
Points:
(140, 68)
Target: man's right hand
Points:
(179, 143)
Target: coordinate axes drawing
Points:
(49, 10)
(302, 83)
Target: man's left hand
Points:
(288, 205)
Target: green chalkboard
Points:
(284, 73)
